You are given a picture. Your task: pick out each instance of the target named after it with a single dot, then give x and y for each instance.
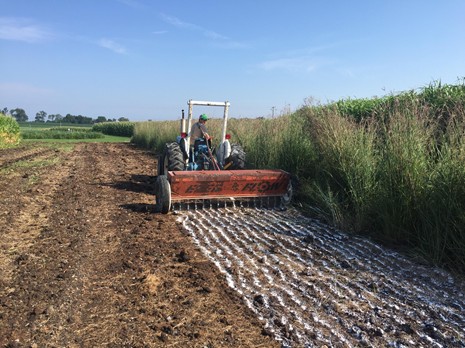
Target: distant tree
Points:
(123, 119)
(58, 118)
(69, 119)
(84, 119)
(40, 116)
(101, 119)
(51, 117)
(79, 119)
(5, 111)
(19, 114)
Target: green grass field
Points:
(65, 133)
(105, 139)
(47, 125)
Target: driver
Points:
(199, 130)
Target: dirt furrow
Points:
(26, 206)
(7, 159)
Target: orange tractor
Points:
(199, 173)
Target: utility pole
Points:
(272, 111)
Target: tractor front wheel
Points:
(172, 158)
(236, 159)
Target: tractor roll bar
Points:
(207, 103)
(224, 104)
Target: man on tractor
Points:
(199, 130)
(199, 136)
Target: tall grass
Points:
(398, 175)
(392, 168)
(344, 177)
(153, 135)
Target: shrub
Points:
(9, 131)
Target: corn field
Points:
(122, 129)
(9, 131)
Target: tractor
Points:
(200, 172)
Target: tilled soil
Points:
(85, 262)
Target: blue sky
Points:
(144, 59)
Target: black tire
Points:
(286, 199)
(183, 146)
(160, 165)
(163, 194)
(236, 160)
(173, 158)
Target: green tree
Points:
(40, 116)
(101, 119)
(19, 114)
(123, 119)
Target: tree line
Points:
(41, 116)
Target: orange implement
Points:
(227, 183)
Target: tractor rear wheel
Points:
(163, 194)
(237, 158)
(286, 199)
(173, 158)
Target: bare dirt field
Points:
(85, 262)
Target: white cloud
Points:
(21, 29)
(299, 64)
(159, 32)
(131, 3)
(12, 90)
(346, 72)
(112, 45)
(218, 39)
(231, 45)
(214, 35)
(179, 23)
